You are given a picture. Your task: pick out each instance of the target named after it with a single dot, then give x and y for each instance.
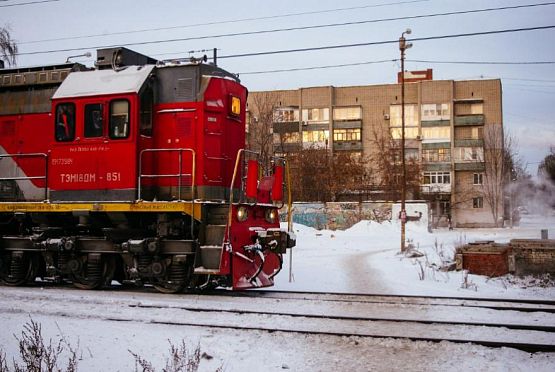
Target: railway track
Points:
(527, 325)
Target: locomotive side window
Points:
(119, 119)
(65, 122)
(146, 112)
(93, 120)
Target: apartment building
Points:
(445, 123)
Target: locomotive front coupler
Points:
(275, 239)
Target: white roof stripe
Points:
(102, 82)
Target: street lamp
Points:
(88, 54)
(403, 45)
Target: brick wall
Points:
(534, 256)
(520, 256)
(488, 259)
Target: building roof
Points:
(103, 82)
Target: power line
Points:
(286, 15)
(396, 60)
(485, 62)
(28, 3)
(317, 67)
(440, 37)
(290, 29)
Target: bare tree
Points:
(8, 47)
(499, 157)
(386, 166)
(319, 175)
(547, 166)
(260, 126)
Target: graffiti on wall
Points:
(343, 215)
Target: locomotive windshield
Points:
(119, 119)
(65, 122)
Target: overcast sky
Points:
(529, 89)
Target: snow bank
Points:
(366, 258)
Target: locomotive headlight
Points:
(235, 106)
(271, 215)
(242, 214)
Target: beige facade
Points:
(445, 122)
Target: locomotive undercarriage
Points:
(92, 249)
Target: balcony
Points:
(286, 127)
(436, 167)
(436, 145)
(287, 147)
(347, 124)
(463, 120)
(347, 145)
(469, 143)
(435, 123)
(439, 188)
(470, 166)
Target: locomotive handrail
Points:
(22, 178)
(179, 175)
(235, 169)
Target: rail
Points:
(179, 175)
(28, 178)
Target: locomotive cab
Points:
(97, 127)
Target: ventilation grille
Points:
(184, 90)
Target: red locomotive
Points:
(134, 171)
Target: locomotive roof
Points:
(101, 82)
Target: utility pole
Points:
(403, 45)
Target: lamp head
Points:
(408, 31)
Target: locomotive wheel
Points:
(92, 272)
(176, 278)
(18, 268)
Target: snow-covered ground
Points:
(361, 259)
(366, 259)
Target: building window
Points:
(478, 179)
(93, 120)
(290, 137)
(435, 111)
(347, 113)
(478, 202)
(411, 116)
(411, 154)
(465, 108)
(65, 122)
(346, 134)
(436, 155)
(316, 115)
(477, 108)
(286, 115)
(316, 136)
(435, 178)
(436, 133)
(466, 133)
(410, 133)
(469, 154)
(444, 207)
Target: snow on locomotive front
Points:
(136, 172)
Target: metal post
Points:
(403, 45)
(179, 180)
